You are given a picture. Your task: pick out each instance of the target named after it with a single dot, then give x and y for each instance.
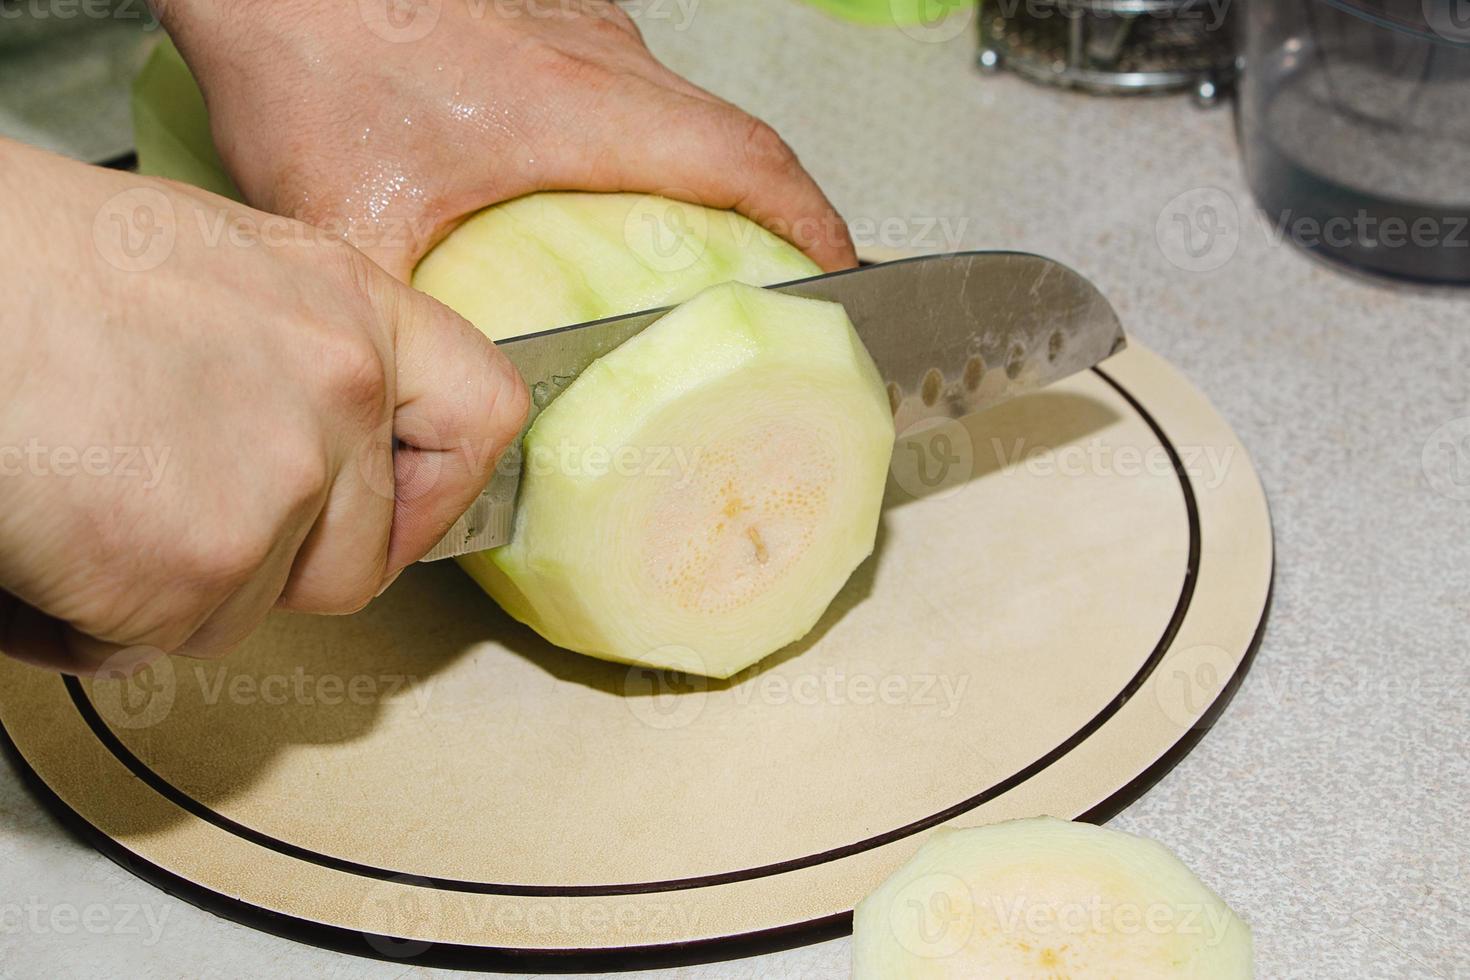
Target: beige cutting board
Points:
(1065, 593)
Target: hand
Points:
(340, 115)
(199, 404)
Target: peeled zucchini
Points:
(546, 260)
(1046, 898)
(696, 498)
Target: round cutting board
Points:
(1066, 591)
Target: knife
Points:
(951, 335)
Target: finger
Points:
(397, 254)
(711, 154)
(44, 641)
(460, 403)
(238, 616)
(342, 559)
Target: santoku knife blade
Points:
(951, 334)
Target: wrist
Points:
(35, 227)
(188, 19)
(232, 38)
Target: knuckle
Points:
(348, 592)
(302, 477)
(164, 618)
(559, 67)
(222, 565)
(765, 148)
(149, 589)
(352, 269)
(612, 17)
(356, 600)
(351, 372)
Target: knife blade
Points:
(951, 334)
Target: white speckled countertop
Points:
(1329, 804)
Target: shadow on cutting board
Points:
(229, 721)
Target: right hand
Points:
(196, 425)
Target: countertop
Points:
(1329, 804)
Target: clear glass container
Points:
(1355, 126)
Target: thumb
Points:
(460, 403)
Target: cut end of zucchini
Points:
(696, 498)
(1046, 898)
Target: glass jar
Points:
(1355, 125)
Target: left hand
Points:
(392, 120)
